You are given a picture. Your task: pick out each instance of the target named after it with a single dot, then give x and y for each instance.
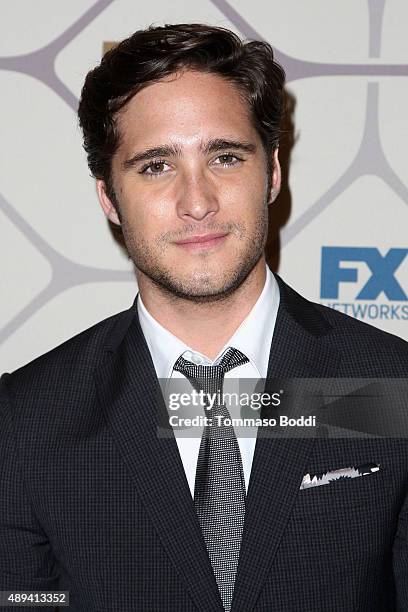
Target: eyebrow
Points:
(210, 146)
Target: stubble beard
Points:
(203, 286)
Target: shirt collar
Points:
(253, 337)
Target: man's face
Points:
(191, 185)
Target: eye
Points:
(226, 159)
(155, 167)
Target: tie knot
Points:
(231, 359)
(210, 377)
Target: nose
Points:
(197, 196)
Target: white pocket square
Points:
(327, 477)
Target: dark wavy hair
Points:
(156, 52)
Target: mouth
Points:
(201, 243)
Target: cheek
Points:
(248, 200)
(145, 211)
(252, 185)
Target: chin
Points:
(212, 288)
(205, 281)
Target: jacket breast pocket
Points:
(370, 491)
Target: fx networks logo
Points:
(368, 299)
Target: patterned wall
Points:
(339, 227)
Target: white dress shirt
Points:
(253, 338)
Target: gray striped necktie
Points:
(219, 493)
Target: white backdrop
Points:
(344, 240)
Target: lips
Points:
(201, 239)
(201, 242)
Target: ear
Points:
(276, 178)
(107, 206)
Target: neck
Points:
(205, 327)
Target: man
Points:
(181, 127)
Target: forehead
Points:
(187, 106)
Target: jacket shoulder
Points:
(76, 357)
(345, 324)
(367, 349)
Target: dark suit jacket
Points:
(94, 502)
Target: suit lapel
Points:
(130, 395)
(298, 350)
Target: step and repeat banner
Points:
(340, 227)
